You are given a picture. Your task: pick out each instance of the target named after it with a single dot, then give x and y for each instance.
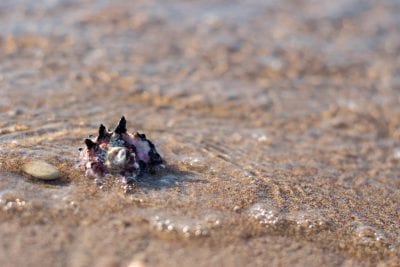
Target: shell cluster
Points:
(118, 153)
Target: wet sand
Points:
(279, 121)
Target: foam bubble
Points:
(187, 227)
(301, 222)
(10, 200)
(367, 234)
(309, 220)
(194, 163)
(265, 214)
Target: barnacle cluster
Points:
(118, 153)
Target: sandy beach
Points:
(279, 122)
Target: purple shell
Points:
(119, 153)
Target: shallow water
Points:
(279, 121)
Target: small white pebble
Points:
(41, 170)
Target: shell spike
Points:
(102, 132)
(90, 144)
(121, 127)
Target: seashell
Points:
(118, 152)
(117, 157)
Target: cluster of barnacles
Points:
(118, 153)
